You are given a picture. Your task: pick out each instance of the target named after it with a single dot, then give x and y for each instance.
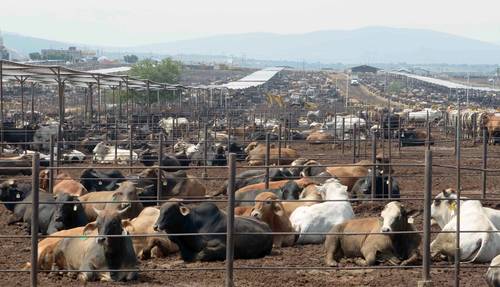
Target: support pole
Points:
(266, 161)
(35, 172)
(485, 163)
(230, 220)
(426, 243)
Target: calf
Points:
(371, 247)
(103, 252)
(256, 154)
(177, 218)
(269, 210)
(44, 178)
(143, 224)
(124, 197)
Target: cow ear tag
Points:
(75, 207)
(99, 182)
(453, 206)
(18, 195)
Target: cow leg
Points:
(212, 251)
(413, 257)
(14, 218)
(369, 253)
(333, 248)
(278, 241)
(89, 275)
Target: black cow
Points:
(218, 158)
(238, 149)
(101, 180)
(176, 218)
(53, 216)
(67, 215)
(289, 191)
(363, 187)
(19, 135)
(21, 163)
(168, 162)
(101, 253)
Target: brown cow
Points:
(308, 196)
(396, 248)
(349, 174)
(273, 213)
(47, 246)
(257, 153)
(305, 181)
(492, 124)
(123, 195)
(44, 179)
(146, 246)
(243, 210)
(319, 137)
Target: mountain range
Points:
(364, 45)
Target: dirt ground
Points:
(14, 253)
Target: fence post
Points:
(205, 152)
(230, 220)
(426, 254)
(266, 161)
(159, 185)
(343, 135)
(131, 133)
(353, 144)
(374, 167)
(485, 161)
(35, 171)
(51, 165)
(279, 145)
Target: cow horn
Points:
(97, 211)
(122, 211)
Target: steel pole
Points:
(34, 218)
(485, 162)
(426, 254)
(230, 220)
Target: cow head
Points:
(172, 217)
(395, 217)
(101, 149)
(10, 192)
(251, 146)
(44, 179)
(124, 194)
(108, 222)
(68, 212)
(444, 207)
(333, 189)
(266, 206)
(291, 190)
(297, 166)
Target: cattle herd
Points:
(116, 198)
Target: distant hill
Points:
(366, 45)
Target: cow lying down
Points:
(207, 218)
(100, 253)
(475, 246)
(369, 248)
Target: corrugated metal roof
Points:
(254, 80)
(444, 83)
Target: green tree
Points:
(131, 59)
(165, 71)
(35, 56)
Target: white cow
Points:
(322, 216)
(421, 116)
(104, 153)
(168, 124)
(474, 246)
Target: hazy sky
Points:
(135, 22)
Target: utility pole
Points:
(347, 90)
